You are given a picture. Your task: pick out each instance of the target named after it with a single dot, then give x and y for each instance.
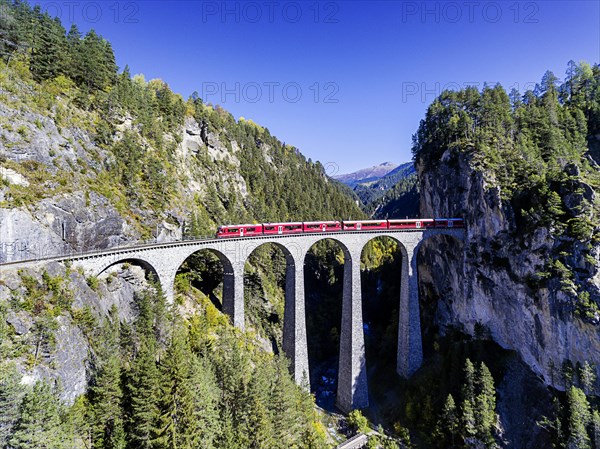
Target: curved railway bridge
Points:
(165, 259)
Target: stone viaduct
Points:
(165, 259)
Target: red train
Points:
(312, 227)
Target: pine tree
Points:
(106, 393)
(75, 57)
(468, 401)
(257, 415)
(587, 377)
(578, 419)
(97, 62)
(206, 393)
(11, 395)
(144, 396)
(485, 405)
(595, 429)
(227, 438)
(177, 427)
(40, 425)
(49, 53)
(449, 423)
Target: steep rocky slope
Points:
(526, 277)
(66, 189)
(55, 346)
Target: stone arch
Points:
(290, 266)
(342, 245)
(394, 237)
(232, 283)
(147, 266)
(227, 264)
(381, 309)
(352, 389)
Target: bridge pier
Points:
(410, 346)
(167, 284)
(294, 321)
(233, 293)
(352, 390)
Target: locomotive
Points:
(312, 227)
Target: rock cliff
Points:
(58, 349)
(492, 284)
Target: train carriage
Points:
(410, 223)
(282, 228)
(322, 226)
(250, 230)
(364, 225)
(245, 230)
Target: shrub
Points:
(358, 422)
(93, 282)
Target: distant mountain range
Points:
(366, 174)
(385, 190)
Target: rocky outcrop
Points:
(491, 284)
(60, 225)
(73, 218)
(67, 350)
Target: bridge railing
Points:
(32, 253)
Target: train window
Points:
(249, 229)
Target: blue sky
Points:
(345, 81)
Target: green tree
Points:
(106, 393)
(587, 376)
(177, 425)
(578, 419)
(485, 405)
(358, 422)
(469, 423)
(144, 396)
(11, 395)
(49, 49)
(595, 429)
(98, 65)
(40, 425)
(207, 394)
(449, 424)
